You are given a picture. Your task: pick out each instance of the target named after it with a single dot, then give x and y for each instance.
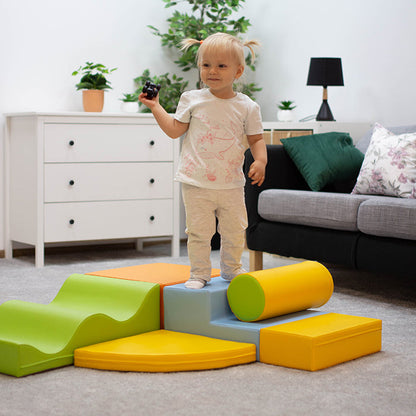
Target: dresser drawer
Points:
(81, 221)
(67, 182)
(106, 143)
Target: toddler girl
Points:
(215, 120)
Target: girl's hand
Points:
(257, 172)
(147, 102)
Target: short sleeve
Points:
(183, 110)
(253, 124)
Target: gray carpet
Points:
(380, 384)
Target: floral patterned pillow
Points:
(389, 166)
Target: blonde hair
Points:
(224, 41)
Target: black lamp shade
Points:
(325, 71)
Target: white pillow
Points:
(389, 166)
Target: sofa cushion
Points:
(324, 158)
(317, 209)
(389, 166)
(388, 217)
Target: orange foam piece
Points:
(164, 351)
(165, 274)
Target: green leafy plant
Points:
(206, 18)
(247, 89)
(170, 91)
(286, 105)
(130, 98)
(93, 77)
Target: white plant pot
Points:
(130, 107)
(285, 115)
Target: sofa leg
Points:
(255, 260)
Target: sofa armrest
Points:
(281, 173)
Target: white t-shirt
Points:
(212, 153)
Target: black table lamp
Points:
(324, 72)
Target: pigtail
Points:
(250, 45)
(187, 43)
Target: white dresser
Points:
(88, 176)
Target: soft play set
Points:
(142, 318)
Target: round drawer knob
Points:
(72, 182)
(71, 143)
(152, 218)
(71, 221)
(152, 180)
(152, 142)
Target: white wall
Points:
(42, 42)
(374, 38)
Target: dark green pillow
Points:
(324, 158)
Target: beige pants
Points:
(202, 206)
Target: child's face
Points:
(218, 71)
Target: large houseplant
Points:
(171, 89)
(93, 83)
(206, 18)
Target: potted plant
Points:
(93, 83)
(285, 111)
(130, 103)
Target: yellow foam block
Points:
(320, 341)
(264, 294)
(164, 351)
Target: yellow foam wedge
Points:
(164, 351)
(320, 341)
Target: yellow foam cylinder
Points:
(273, 292)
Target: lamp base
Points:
(325, 112)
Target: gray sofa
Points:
(365, 232)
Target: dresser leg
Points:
(139, 244)
(8, 250)
(175, 247)
(40, 255)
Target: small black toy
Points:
(151, 90)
